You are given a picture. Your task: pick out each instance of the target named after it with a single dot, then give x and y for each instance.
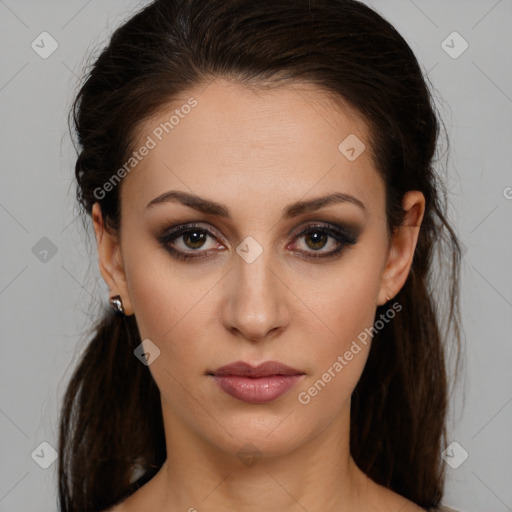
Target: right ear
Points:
(110, 259)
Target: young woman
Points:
(261, 181)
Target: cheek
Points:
(169, 312)
(172, 308)
(348, 303)
(159, 296)
(339, 359)
(347, 307)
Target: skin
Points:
(256, 152)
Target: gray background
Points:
(46, 299)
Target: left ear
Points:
(403, 244)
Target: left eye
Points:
(317, 239)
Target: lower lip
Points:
(259, 390)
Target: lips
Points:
(242, 369)
(256, 384)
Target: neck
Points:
(318, 475)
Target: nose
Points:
(254, 305)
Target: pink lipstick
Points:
(256, 384)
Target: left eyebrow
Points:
(320, 202)
(210, 207)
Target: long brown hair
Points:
(111, 430)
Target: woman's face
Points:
(273, 273)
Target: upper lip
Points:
(266, 369)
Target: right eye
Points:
(185, 240)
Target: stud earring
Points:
(117, 304)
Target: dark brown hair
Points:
(111, 430)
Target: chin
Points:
(260, 434)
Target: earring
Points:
(117, 304)
(387, 298)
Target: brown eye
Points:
(194, 239)
(190, 241)
(316, 240)
(318, 237)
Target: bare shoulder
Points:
(384, 499)
(409, 506)
(398, 502)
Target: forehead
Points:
(227, 141)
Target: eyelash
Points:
(344, 236)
